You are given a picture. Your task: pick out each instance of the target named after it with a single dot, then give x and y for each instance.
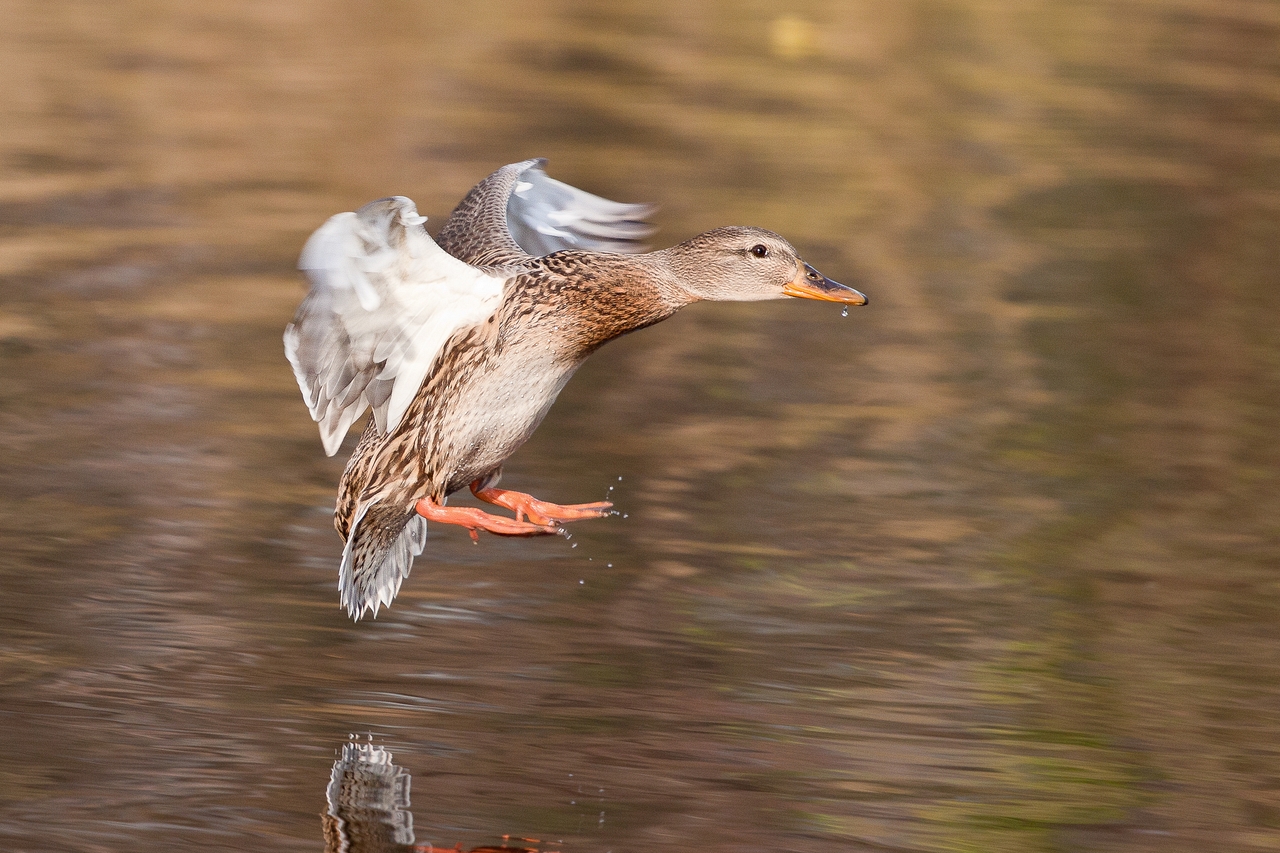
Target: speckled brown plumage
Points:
(555, 314)
(476, 231)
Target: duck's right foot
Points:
(476, 520)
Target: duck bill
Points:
(811, 284)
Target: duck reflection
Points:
(369, 807)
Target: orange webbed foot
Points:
(477, 519)
(540, 512)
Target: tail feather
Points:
(381, 545)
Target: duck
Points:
(459, 345)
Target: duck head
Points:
(740, 264)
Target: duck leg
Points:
(477, 519)
(538, 512)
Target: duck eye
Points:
(760, 250)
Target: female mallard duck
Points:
(460, 345)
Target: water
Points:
(989, 565)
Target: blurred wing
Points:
(545, 215)
(384, 300)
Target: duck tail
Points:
(381, 545)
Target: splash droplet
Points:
(844, 312)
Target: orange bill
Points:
(811, 284)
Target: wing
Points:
(384, 300)
(519, 212)
(546, 215)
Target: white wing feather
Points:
(545, 215)
(384, 300)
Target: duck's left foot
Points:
(477, 519)
(540, 512)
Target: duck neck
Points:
(601, 297)
(690, 269)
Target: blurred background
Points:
(989, 565)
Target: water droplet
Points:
(619, 479)
(580, 581)
(624, 515)
(574, 545)
(610, 565)
(844, 312)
